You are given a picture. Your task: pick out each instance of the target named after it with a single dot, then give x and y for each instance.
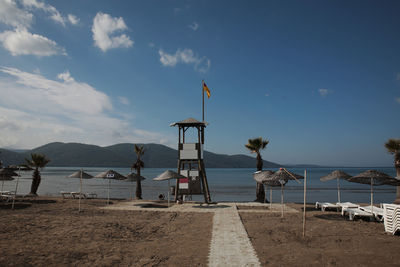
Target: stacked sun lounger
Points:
(391, 215)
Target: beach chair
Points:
(65, 194)
(391, 218)
(346, 205)
(357, 212)
(377, 212)
(91, 195)
(6, 197)
(326, 205)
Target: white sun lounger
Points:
(326, 205)
(76, 195)
(377, 212)
(357, 212)
(346, 205)
(65, 194)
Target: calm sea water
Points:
(225, 185)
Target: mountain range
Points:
(122, 155)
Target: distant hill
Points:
(123, 155)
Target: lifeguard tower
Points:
(190, 161)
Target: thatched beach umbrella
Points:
(371, 177)
(168, 175)
(133, 177)
(264, 177)
(81, 175)
(283, 176)
(110, 174)
(337, 174)
(6, 174)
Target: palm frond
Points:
(37, 160)
(256, 144)
(393, 146)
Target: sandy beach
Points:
(51, 232)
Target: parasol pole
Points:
(16, 187)
(304, 203)
(132, 191)
(80, 192)
(168, 192)
(372, 196)
(2, 184)
(338, 189)
(108, 194)
(270, 197)
(282, 200)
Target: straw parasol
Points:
(337, 174)
(371, 177)
(81, 175)
(133, 177)
(168, 175)
(6, 174)
(264, 177)
(110, 174)
(283, 176)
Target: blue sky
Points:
(319, 79)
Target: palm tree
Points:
(255, 146)
(38, 162)
(393, 147)
(139, 150)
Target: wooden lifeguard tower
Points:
(190, 161)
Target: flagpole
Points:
(202, 90)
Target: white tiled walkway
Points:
(230, 245)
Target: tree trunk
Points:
(397, 166)
(138, 194)
(260, 191)
(35, 182)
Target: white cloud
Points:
(66, 77)
(11, 15)
(152, 45)
(186, 56)
(22, 42)
(35, 110)
(123, 100)
(104, 26)
(55, 15)
(194, 26)
(324, 92)
(73, 19)
(63, 97)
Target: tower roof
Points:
(189, 122)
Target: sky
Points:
(319, 79)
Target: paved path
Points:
(230, 245)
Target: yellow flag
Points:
(205, 88)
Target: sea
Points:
(225, 185)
